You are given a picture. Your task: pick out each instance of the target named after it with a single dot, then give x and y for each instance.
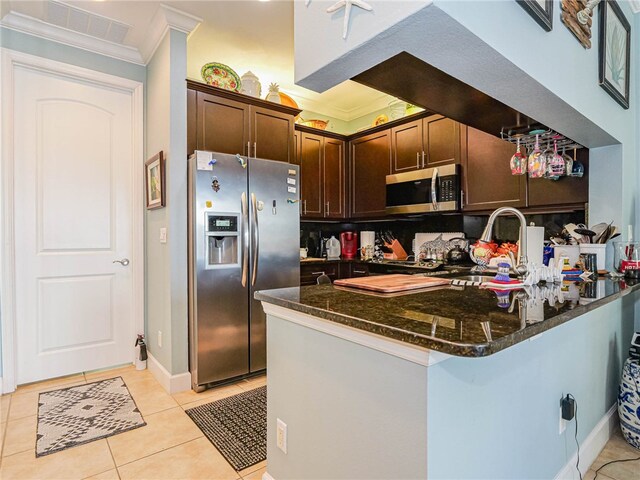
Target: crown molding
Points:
(33, 26)
(635, 5)
(345, 115)
(164, 19)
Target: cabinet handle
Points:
(317, 273)
(255, 150)
(304, 204)
(359, 271)
(418, 160)
(423, 162)
(248, 149)
(327, 211)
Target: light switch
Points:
(163, 235)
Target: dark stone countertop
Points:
(461, 321)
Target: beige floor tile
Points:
(20, 436)
(108, 475)
(254, 382)
(77, 462)
(5, 400)
(163, 430)
(52, 384)
(197, 459)
(616, 449)
(129, 374)
(591, 474)
(249, 470)
(2, 429)
(149, 396)
(190, 399)
(256, 475)
(26, 404)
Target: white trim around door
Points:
(9, 62)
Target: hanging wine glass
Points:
(557, 166)
(518, 161)
(568, 162)
(536, 166)
(546, 157)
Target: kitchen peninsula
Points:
(397, 387)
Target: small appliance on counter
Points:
(349, 244)
(367, 244)
(333, 248)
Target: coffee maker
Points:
(349, 244)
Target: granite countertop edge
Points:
(471, 350)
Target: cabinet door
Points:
(333, 181)
(192, 121)
(370, 164)
(311, 175)
(272, 134)
(406, 147)
(565, 191)
(488, 183)
(222, 124)
(297, 140)
(441, 141)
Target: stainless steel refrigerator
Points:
(244, 225)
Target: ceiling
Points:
(244, 34)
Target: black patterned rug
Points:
(237, 426)
(77, 415)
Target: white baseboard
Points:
(592, 445)
(171, 383)
(1, 389)
(266, 476)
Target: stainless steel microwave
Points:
(428, 190)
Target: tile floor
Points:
(169, 447)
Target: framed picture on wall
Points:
(154, 179)
(614, 52)
(540, 10)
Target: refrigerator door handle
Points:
(256, 239)
(245, 239)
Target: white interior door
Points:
(73, 206)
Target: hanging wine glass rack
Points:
(527, 138)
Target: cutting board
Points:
(392, 283)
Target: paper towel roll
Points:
(367, 238)
(535, 244)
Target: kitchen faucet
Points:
(521, 267)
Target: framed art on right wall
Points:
(614, 52)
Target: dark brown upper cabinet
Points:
(565, 192)
(441, 141)
(407, 152)
(370, 163)
(425, 143)
(230, 122)
(322, 177)
(488, 183)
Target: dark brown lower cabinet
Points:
(309, 273)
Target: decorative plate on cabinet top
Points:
(221, 76)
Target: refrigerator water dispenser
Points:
(222, 240)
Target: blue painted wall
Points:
(510, 401)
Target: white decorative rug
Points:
(76, 415)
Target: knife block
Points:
(397, 252)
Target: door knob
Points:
(124, 262)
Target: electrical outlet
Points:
(159, 338)
(563, 423)
(281, 435)
(163, 235)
